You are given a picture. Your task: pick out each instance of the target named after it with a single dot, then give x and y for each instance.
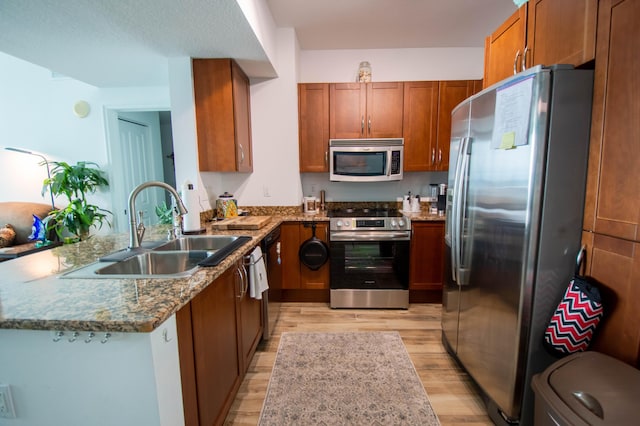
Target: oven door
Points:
(370, 262)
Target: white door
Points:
(138, 164)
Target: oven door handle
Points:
(370, 236)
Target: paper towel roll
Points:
(190, 221)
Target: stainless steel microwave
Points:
(365, 160)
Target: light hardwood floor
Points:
(452, 394)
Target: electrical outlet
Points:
(6, 403)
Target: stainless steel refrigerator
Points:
(515, 201)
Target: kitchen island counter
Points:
(33, 296)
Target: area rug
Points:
(355, 378)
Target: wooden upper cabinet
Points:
(543, 32)
(504, 47)
(313, 126)
(451, 93)
(612, 204)
(365, 110)
(419, 128)
(223, 116)
(561, 32)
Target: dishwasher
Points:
(271, 305)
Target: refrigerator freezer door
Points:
(451, 291)
(502, 200)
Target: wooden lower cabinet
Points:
(299, 283)
(251, 325)
(426, 261)
(217, 335)
(615, 264)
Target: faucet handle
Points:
(178, 222)
(140, 228)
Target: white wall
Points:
(274, 128)
(36, 114)
(132, 379)
(334, 66)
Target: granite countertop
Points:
(33, 296)
(424, 216)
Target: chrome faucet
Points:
(136, 231)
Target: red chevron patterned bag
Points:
(575, 320)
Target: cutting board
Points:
(242, 222)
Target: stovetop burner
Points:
(364, 212)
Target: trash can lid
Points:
(598, 388)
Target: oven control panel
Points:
(370, 224)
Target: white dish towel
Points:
(257, 274)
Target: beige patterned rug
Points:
(356, 378)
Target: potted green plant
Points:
(75, 182)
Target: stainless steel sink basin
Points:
(156, 263)
(208, 243)
(151, 264)
(173, 259)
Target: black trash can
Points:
(587, 388)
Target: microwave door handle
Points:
(389, 156)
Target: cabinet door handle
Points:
(515, 62)
(362, 126)
(369, 124)
(523, 64)
(440, 156)
(246, 279)
(326, 158)
(241, 153)
(433, 156)
(238, 282)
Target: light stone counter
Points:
(33, 296)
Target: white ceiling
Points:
(390, 24)
(127, 42)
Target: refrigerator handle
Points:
(456, 216)
(463, 276)
(460, 195)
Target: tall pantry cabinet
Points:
(612, 207)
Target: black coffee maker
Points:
(442, 197)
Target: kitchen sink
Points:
(172, 259)
(148, 264)
(156, 263)
(198, 242)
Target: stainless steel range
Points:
(369, 252)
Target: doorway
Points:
(140, 146)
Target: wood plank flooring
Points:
(453, 395)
